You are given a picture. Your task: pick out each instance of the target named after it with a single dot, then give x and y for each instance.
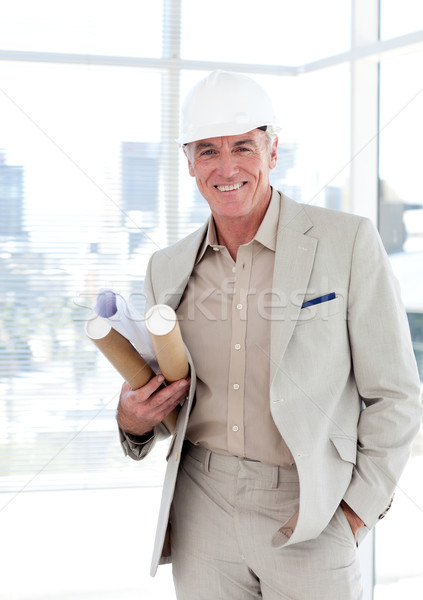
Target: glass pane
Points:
(399, 569)
(320, 126)
(400, 18)
(275, 32)
(69, 226)
(126, 28)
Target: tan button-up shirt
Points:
(225, 322)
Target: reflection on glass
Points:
(399, 569)
(274, 32)
(400, 18)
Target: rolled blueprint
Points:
(127, 321)
(124, 357)
(162, 325)
(119, 352)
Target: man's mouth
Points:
(230, 188)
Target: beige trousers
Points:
(224, 514)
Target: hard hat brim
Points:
(220, 130)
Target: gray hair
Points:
(271, 134)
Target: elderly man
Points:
(303, 399)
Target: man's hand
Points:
(353, 519)
(139, 411)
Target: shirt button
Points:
(235, 428)
(236, 386)
(216, 249)
(237, 346)
(233, 269)
(239, 306)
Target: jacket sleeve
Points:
(138, 448)
(386, 375)
(135, 447)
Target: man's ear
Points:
(273, 159)
(190, 167)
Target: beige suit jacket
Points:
(344, 387)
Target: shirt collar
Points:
(268, 230)
(266, 233)
(210, 239)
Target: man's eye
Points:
(207, 153)
(243, 149)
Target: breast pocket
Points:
(319, 312)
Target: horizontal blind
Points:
(81, 209)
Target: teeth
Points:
(229, 188)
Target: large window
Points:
(92, 182)
(398, 570)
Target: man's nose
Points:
(227, 166)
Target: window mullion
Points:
(170, 117)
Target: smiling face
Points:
(232, 173)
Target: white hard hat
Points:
(224, 103)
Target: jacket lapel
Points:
(179, 266)
(294, 260)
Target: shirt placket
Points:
(236, 381)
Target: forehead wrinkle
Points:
(246, 141)
(202, 145)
